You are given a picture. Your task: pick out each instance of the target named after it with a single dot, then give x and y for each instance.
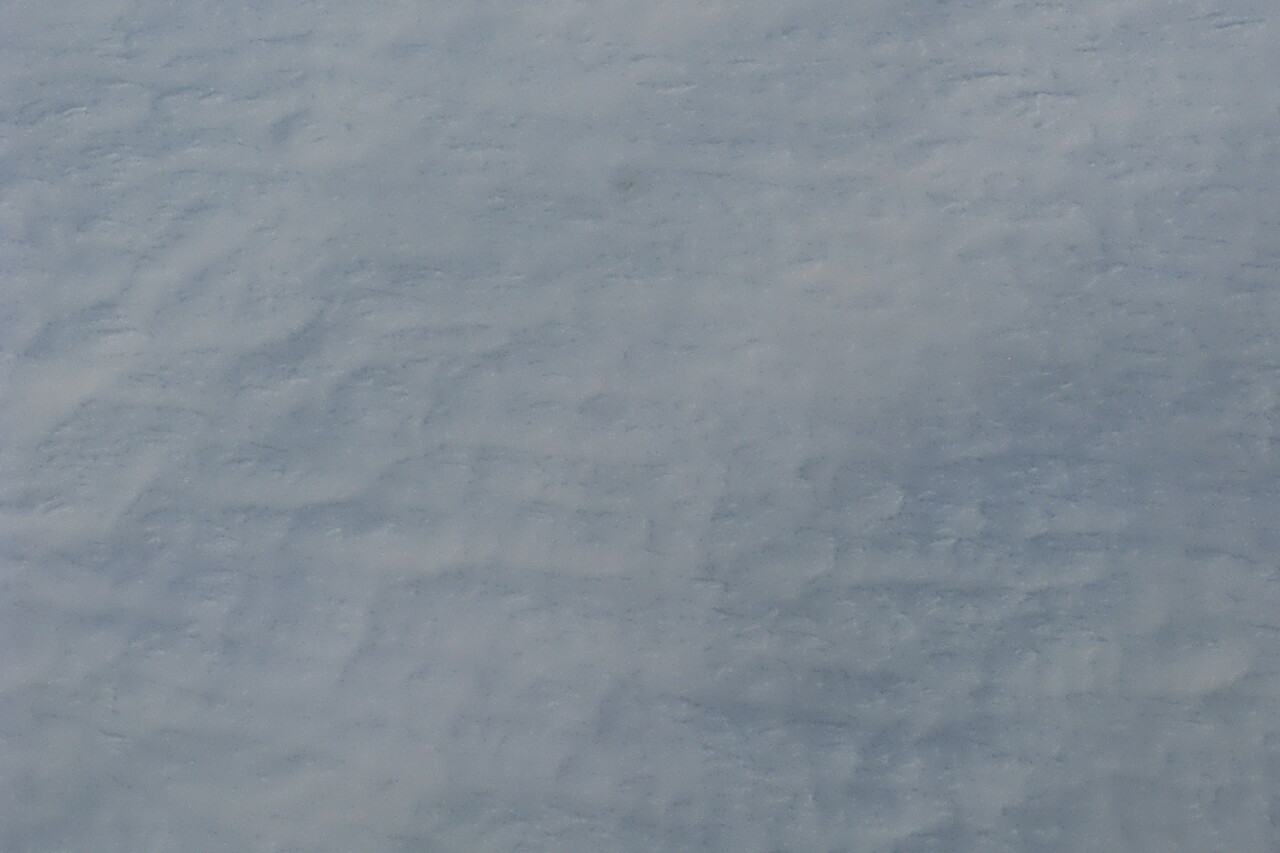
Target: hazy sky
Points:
(612, 426)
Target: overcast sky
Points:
(607, 426)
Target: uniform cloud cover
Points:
(601, 426)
